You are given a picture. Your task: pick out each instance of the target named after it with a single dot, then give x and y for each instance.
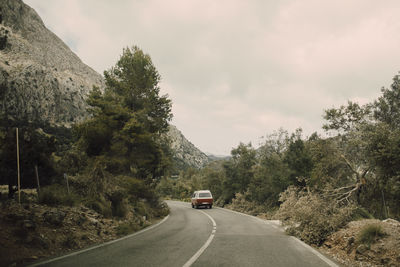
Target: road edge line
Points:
(315, 252)
(279, 228)
(311, 249)
(100, 245)
(206, 244)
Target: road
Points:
(204, 237)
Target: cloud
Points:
(237, 70)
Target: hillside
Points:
(42, 80)
(185, 153)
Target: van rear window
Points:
(204, 195)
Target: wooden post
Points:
(384, 205)
(37, 180)
(19, 177)
(66, 178)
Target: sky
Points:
(238, 70)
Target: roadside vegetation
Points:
(110, 163)
(317, 184)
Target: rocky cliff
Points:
(185, 153)
(41, 79)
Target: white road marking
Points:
(204, 247)
(101, 245)
(315, 252)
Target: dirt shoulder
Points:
(344, 246)
(31, 231)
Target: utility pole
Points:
(19, 177)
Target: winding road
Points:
(204, 237)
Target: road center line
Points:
(204, 247)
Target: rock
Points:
(361, 249)
(39, 240)
(54, 217)
(43, 79)
(29, 225)
(385, 261)
(93, 221)
(81, 219)
(350, 241)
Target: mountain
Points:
(213, 157)
(185, 153)
(42, 80)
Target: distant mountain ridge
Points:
(41, 79)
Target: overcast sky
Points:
(238, 70)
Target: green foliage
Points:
(36, 148)
(361, 213)
(238, 171)
(128, 119)
(127, 228)
(387, 107)
(99, 205)
(118, 206)
(55, 194)
(369, 234)
(298, 159)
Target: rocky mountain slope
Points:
(185, 153)
(41, 79)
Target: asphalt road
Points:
(204, 237)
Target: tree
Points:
(129, 118)
(298, 159)
(36, 148)
(239, 171)
(387, 106)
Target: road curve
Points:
(205, 237)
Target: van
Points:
(202, 198)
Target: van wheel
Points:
(196, 207)
(210, 206)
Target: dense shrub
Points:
(57, 195)
(241, 204)
(370, 233)
(99, 205)
(118, 205)
(312, 216)
(127, 228)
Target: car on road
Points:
(202, 198)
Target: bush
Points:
(369, 234)
(127, 228)
(99, 205)
(118, 206)
(70, 241)
(360, 214)
(241, 204)
(57, 195)
(311, 216)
